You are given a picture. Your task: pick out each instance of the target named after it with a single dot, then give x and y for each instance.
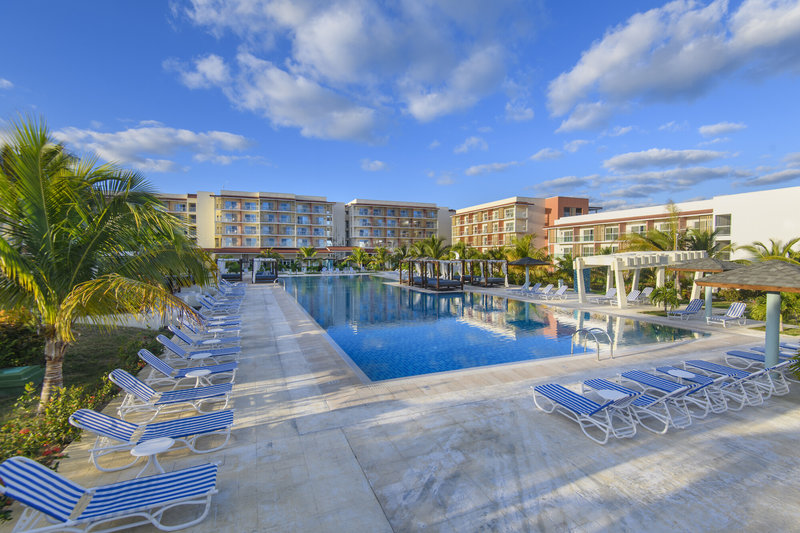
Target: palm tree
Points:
(653, 240)
(666, 294)
(82, 240)
(705, 240)
(498, 252)
(433, 247)
(775, 250)
(359, 256)
(524, 247)
(306, 254)
(401, 252)
(380, 258)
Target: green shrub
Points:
(20, 345)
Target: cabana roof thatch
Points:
(770, 276)
(705, 264)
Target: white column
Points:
(635, 283)
(661, 275)
(609, 276)
(578, 265)
(695, 286)
(622, 297)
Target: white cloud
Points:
(568, 183)
(721, 128)
(372, 165)
(434, 144)
(139, 145)
(471, 143)
(680, 50)
(574, 146)
(546, 153)
(660, 157)
(618, 131)
(518, 112)
(789, 174)
(793, 159)
(718, 140)
(586, 116)
(673, 126)
(490, 168)
(444, 178)
(5, 84)
(208, 71)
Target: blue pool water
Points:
(392, 332)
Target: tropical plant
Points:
(775, 250)
(81, 240)
(380, 258)
(269, 253)
(706, 241)
(359, 256)
(524, 247)
(666, 294)
(433, 247)
(498, 252)
(790, 308)
(653, 240)
(564, 268)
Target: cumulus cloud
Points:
(792, 159)
(139, 146)
(443, 178)
(546, 153)
(587, 116)
(518, 112)
(471, 143)
(568, 183)
(434, 144)
(618, 131)
(5, 84)
(673, 126)
(208, 71)
(720, 128)
(660, 157)
(490, 168)
(372, 165)
(680, 50)
(790, 174)
(574, 146)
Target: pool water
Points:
(392, 332)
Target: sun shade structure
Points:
(774, 277)
(528, 262)
(265, 269)
(700, 267)
(636, 261)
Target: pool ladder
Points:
(593, 332)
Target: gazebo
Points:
(620, 262)
(702, 266)
(774, 277)
(270, 271)
(528, 262)
(432, 272)
(222, 265)
(486, 270)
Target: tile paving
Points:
(315, 449)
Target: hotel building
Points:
(738, 218)
(373, 223)
(494, 224)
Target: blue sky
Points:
(456, 102)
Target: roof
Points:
(705, 264)
(773, 276)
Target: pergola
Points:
(434, 273)
(774, 277)
(270, 274)
(223, 269)
(704, 265)
(636, 261)
(486, 266)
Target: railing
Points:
(593, 333)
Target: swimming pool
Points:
(392, 332)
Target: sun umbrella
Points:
(528, 262)
(774, 277)
(705, 264)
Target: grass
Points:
(95, 353)
(787, 330)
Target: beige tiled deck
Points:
(317, 450)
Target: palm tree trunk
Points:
(54, 349)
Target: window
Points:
(249, 241)
(180, 208)
(285, 206)
(250, 217)
(510, 212)
(377, 211)
(509, 227)
(229, 204)
(566, 236)
(377, 233)
(322, 242)
(250, 230)
(587, 235)
(251, 206)
(286, 219)
(377, 222)
(666, 227)
(587, 250)
(417, 214)
(303, 242)
(287, 242)
(302, 231)
(288, 230)
(612, 233)
(269, 241)
(319, 209)
(303, 220)
(363, 211)
(723, 224)
(231, 230)
(267, 206)
(638, 229)
(390, 233)
(495, 227)
(266, 230)
(192, 208)
(303, 208)
(270, 218)
(404, 212)
(390, 212)
(193, 219)
(230, 241)
(363, 222)
(391, 223)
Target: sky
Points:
(456, 102)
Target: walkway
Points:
(317, 450)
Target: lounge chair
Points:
(735, 313)
(608, 297)
(165, 375)
(644, 296)
(54, 503)
(544, 291)
(741, 386)
(776, 377)
(561, 294)
(691, 310)
(658, 385)
(711, 387)
(216, 309)
(185, 357)
(202, 343)
(218, 320)
(141, 398)
(610, 417)
(633, 297)
(115, 435)
(203, 330)
(668, 409)
(521, 289)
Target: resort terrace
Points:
(316, 449)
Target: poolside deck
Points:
(315, 449)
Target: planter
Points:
(13, 380)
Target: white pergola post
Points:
(661, 276)
(609, 278)
(578, 265)
(635, 283)
(622, 297)
(695, 287)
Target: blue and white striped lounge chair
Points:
(543, 291)
(693, 393)
(228, 284)
(224, 301)
(530, 291)
(217, 319)
(141, 398)
(741, 387)
(202, 343)
(710, 387)
(224, 310)
(165, 375)
(203, 330)
(691, 310)
(54, 503)
(644, 296)
(668, 409)
(521, 289)
(777, 376)
(735, 313)
(607, 298)
(217, 354)
(560, 294)
(633, 297)
(115, 435)
(610, 417)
